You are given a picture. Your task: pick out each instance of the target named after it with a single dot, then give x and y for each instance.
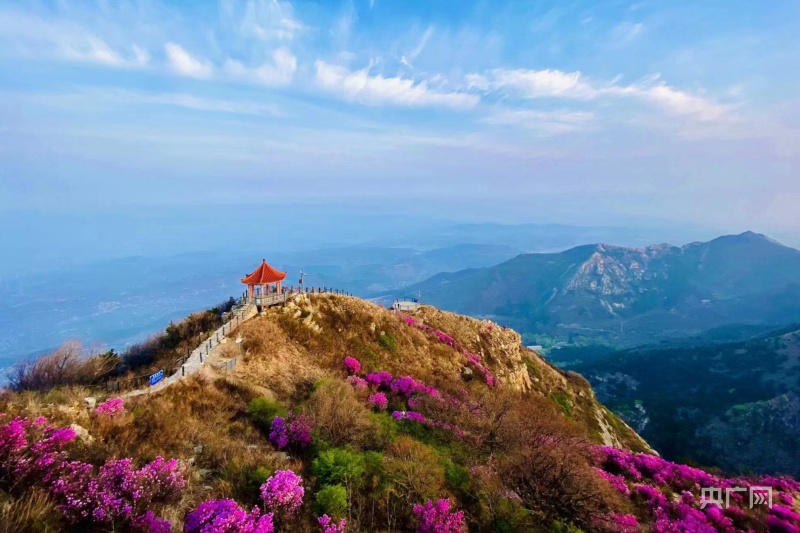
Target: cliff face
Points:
(288, 348)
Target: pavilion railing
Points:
(276, 298)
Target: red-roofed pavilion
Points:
(259, 283)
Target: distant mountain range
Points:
(121, 301)
(72, 276)
(629, 296)
(733, 405)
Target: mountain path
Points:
(202, 354)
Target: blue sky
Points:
(583, 112)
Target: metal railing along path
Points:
(194, 361)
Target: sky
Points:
(591, 112)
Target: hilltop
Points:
(309, 338)
(627, 296)
(340, 409)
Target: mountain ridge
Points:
(630, 295)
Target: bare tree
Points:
(69, 364)
(547, 466)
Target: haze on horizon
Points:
(611, 113)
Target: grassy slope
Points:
(291, 347)
(286, 352)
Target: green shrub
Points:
(256, 477)
(509, 517)
(262, 410)
(374, 471)
(561, 399)
(385, 429)
(565, 527)
(320, 383)
(338, 465)
(388, 341)
(243, 480)
(332, 501)
(456, 477)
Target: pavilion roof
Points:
(263, 274)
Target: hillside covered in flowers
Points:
(344, 416)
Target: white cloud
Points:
(550, 83)
(190, 101)
(140, 55)
(361, 86)
(626, 32)
(265, 20)
(423, 41)
(683, 103)
(92, 50)
(33, 36)
(183, 63)
(280, 72)
(548, 122)
(406, 59)
(92, 97)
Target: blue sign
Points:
(155, 378)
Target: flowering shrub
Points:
(669, 491)
(409, 415)
(111, 407)
(379, 379)
(294, 431)
(151, 523)
(117, 492)
(618, 482)
(225, 516)
(785, 484)
(438, 518)
(378, 401)
(408, 386)
(624, 523)
(476, 364)
(283, 491)
(31, 454)
(418, 417)
(473, 360)
(329, 526)
(357, 382)
(352, 365)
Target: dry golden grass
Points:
(294, 355)
(34, 513)
(291, 347)
(273, 361)
(340, 417)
